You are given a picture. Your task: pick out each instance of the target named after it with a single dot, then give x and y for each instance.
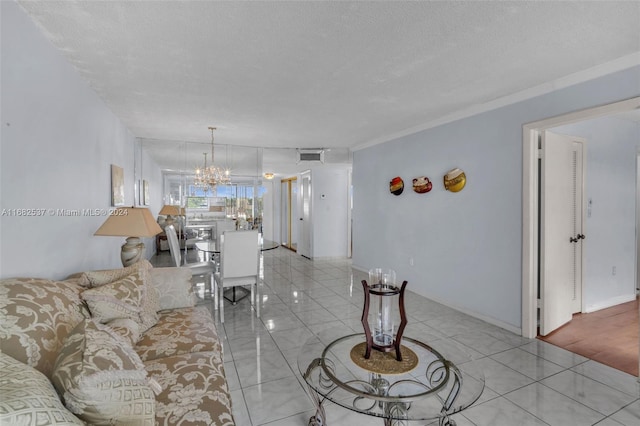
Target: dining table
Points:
(211, 248)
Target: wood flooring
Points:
(609, 336)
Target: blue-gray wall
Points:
(466, 246)
(59, 140)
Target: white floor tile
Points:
(528, 382)
(528, 364)
(593, 394)
(629, 415)
(276, 400)
(501, 412)
(553, 407)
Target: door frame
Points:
(530, 132)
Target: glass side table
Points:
(425, 386)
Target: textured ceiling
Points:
(323, 74)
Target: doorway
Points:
(530, 207)
(288, 209)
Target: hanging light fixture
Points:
(211, 176)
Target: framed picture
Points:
(117, 186)
(145, 193)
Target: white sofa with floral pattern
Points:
(123, 346)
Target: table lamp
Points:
(133, 223)
(170, 211)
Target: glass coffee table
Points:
(426, 386)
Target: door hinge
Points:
(539, 303)
(540, 153)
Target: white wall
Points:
(466, 246)
(147, 169)
(58, 142)
(269, 202)
(612, 144)
(329, 204)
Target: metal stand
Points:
(234, 299)
(320, 418)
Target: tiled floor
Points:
(528, 382)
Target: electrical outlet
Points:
(613, 270)
(411, 261)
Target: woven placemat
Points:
(384, 362)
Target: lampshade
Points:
(130, 222)
(168, 209)
(133, 223)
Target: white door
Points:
(561, 229)
(304, 247)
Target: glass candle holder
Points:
(384, 305)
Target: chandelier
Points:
(208, 177)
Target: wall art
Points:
(396, 186)
(455, 180)
(117, 186)
(146, 200)
(422, 185)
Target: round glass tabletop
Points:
(428, 387)
(210, 246)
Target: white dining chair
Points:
(239, 266)
(222, 226)
(199, 268)
(202, 233)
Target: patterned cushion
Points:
(28, 397)
(36, 315)
(118, 299)
(174, 287)
(106, 276)
(180, 331)
(101, 379)
(127, 328)
(150, 303)
(194, 390)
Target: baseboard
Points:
(610, 302)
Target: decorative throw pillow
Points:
(173, 286)
(101, 378)
(106, 276)
(127, 328)
(150, 304)
(36, 315)
(119, 299)
(28, 397)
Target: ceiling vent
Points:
(306, 155)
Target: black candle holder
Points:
(382, 295)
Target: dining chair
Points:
(201, 234)
(239, 266)
(199, 268)
(222, 226)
